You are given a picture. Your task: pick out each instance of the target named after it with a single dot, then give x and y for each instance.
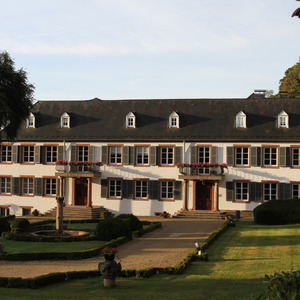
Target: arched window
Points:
(130, 120)
(240, 120)
(30, 122)
(174, 120)
(65, 120)
(283, 120)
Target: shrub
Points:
(19, 225)
(4, 225)
(278, 212)
(134, 222)
(111, 228)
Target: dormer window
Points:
(174, 120)
(30, 122)
(240, 120)
(283, 120)
(130, 120)
(65, 121)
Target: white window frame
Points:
(296, 156)
(28, 154)
(270, 190)
(241, 156)
(50, 154)
(173, 120)
(65, 120)
(115, 188)
(270, 156)
(130, 120)
(115, 155)
(241, 191)
(6, 153)
(50, 186)
(30, 121)
(5, 185)
(141, 189)
(204, 153)
(142, 155)
(283, 120)
(166, 155)
(27, 186)
(296, 190)
(240, 120)
(166, 190)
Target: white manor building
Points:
(140, 143)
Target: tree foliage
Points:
(16, 97)
(290, 83)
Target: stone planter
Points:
(62, 168)
(109, 270)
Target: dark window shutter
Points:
(104, 154)
(284, 191)
(16, 186)
(131, 155)
(178, 190)
(256, 191)
(229, 191)
(91, 153)
(214, 154)
(288, 156)
(282, 156)
(73, 153)
(37, 155)
(104, 183)
(60, 155)
(16, 154)
(255, 156)
(127, 189)
(153, 156)
(230, 156)
(42, 155)
(178, 155)
(57, 187)
(126, 155)
(153, 190)
(38, 186)
(194, 154)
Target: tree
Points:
(290, 83)
(16, 97)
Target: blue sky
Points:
(133, 49)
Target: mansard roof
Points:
(200, 120)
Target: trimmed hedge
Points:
(278, 212)
(146, 273)
(134, 223)
(4, 225)
(19, 225)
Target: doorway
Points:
(81, 191)
(203, 195)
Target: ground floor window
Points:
(5, 183)
(4, 211)
(27, 185)
(241, 191)
(270, 191)
(167, 190)
(115, 188)
(296, 191)
(50, 186)
(141, 189)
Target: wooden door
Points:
(81, 191)
(203, 196)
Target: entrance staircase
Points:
(80, 212)
(210, 215)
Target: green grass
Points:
(35, 247)
(238, 261)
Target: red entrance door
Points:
(81, 191)
(203, 196)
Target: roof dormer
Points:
(65, 120)
(240, 120)
(173, 120)
(30, 121)
(130, 120)
(283, 120)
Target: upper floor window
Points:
(27, 154)
(204, 157)
(241, 156)
(283, 120)
(174, 120)
(240, 120)
(5, 183)
(130, 120)
(30, 122)
(5, 153)
(115, 155)
(296, 157)
(65, 120)
(167, 156)
(270, 156)
(142, 155)
(50, 154)
(82, 155)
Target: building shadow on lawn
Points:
(267, 241)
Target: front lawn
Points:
(238, 261)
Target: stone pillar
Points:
(89, 198)
(184, 206)
(59, 214)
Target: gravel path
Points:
(164, 247)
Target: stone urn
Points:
(109, 270)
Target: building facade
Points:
(156, 155)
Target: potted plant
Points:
(61, 165)
(109, 252)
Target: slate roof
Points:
(201, 120)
